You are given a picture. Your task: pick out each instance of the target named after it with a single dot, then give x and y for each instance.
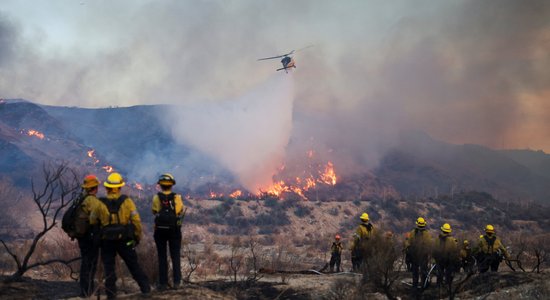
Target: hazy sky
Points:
(463, 71)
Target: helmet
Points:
(364, 217)
(114, 180)
(466, 243)
(337, 237)
(446, 228)
(90, 181)
(166, 179)
(420, 222)
(489, 229)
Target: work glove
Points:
(132, 243)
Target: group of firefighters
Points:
(421, 249)
(115, 228)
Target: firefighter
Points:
(446, 254)
(364, 232)
(418, 246)
(120, 230)
(336, 254)
(89, 247)
(168, 210)
(466, 258)
(490, 251)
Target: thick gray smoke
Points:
(462, 71)
(248, 134)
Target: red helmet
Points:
(90, 181)
(337, 237)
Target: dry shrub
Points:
(343, 289)
(60, 246)
(381, 257)
(530, 253)
(190, 262)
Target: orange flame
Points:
(36, 133)
(138, 186)
(236, 194)
(299, 185)
(310, 182)
(107, 169)
(91, 154)
(329, 176)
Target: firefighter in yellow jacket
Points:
(418, 248)
(490, 251)
(168, 210)
(120, 230)
(446, 254)
(89, 248)
(466, 257)
(364, 232)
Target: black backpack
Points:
(116, 231)
(75, 222)
(166, 218)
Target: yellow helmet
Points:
(114, 180)
(90, 181)
(420, 222)
(166, 179)
(489, 229)
(446, 228)
(364, 217)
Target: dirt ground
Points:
(502, 285)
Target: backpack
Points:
(166, 218)
(116, 231)
(75, 221)
(490, 243)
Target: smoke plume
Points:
(247, 135)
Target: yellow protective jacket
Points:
(364, 232)
(336, 247)
(490, 245)
(446, 248)
(90, 203)
(177, 201)
(465, 252)
(126, 214)
(419, 243)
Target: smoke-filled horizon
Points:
(462, 71)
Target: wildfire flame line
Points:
(35, 133)
(300, 185)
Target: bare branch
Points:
(15, 258)
(50, 201)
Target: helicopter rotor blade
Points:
(285, 55)
(279, 56)
(304, 48)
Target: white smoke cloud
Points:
(248, 134)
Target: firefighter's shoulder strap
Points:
(113, 207)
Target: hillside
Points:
(135, 142)
(421, 166)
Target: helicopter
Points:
(287, 61)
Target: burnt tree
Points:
(60, 186)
